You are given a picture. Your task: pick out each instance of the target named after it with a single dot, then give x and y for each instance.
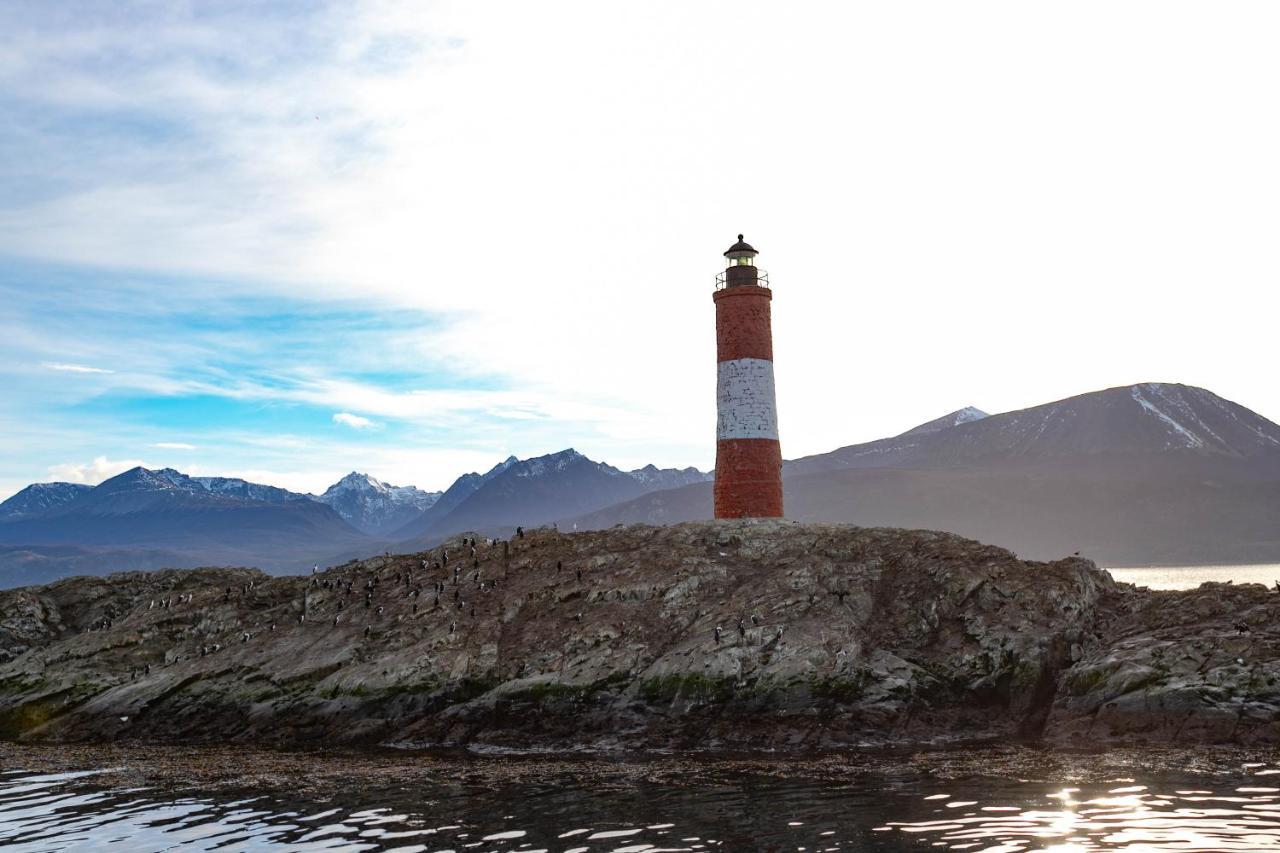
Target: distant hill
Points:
(1143, 474)
(540, 490)
(22, 565)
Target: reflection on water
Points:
(1230, 808)
(1190, 577)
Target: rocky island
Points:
(730, 635)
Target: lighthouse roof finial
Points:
(741, 249)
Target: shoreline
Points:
(324, 772)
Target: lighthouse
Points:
(748, 456)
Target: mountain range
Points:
(1150, 474)
(1142, 474)
(145, 519)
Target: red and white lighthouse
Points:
(748, 456)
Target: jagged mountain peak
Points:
(357, 480)
(375, 507)
(538, 466)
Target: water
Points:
(1190, 577)
(1010, 800)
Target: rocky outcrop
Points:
(828, 636)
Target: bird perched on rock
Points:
(717, 635)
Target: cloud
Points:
(92, 473)
(174, 445)
(73, 368)
(354, 421)
(327, 154)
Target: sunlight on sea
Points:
(1190, 577)
(1196, 804)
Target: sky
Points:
(288, 240)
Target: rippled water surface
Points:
(1222, 804)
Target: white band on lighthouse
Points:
(745, 404)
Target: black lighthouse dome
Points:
(740, 249)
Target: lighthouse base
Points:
(748, 478)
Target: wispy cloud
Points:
(173, 445)
(73, 368)
(354, 421)
(92, 473)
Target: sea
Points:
(994, 800)
(997, 799)
(1190, 577)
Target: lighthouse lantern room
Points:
(748, 480)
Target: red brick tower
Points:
(748, 455)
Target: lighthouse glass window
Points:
(744, 262)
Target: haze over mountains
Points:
(1144, 474)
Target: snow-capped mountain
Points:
(39, 498)
(968, 414)
(375, 507)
